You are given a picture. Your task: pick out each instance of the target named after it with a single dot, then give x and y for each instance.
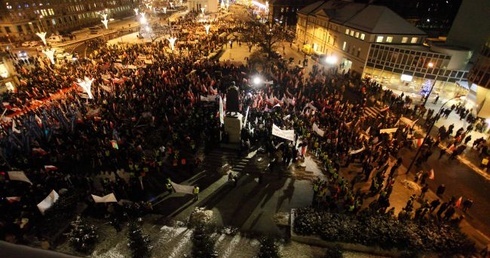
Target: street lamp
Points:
(165, 10)
(136, 11)
(431, 65)
(428, 134)
(257, 80)
(202, 10)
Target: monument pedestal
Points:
(233, 127)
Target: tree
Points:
(82, 236)
(203, 245)
(266, 36)
(138, 242)
(268, 248)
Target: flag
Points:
(431, 174)
(186, 189)
(50, 167)
(385, 109)
(114, 144)
(418, 142)
(13, 199)
(19, 176)
(104, 199)
(14, 127)
(48, 201)
(221, 111)
(317, 130)
(458, 202)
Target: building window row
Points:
(356, 34)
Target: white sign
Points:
(186, 189)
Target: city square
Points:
(218, 129)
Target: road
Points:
(459, 180)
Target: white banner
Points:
(208, 98)
(317, 130)
(186, 189)
(285, 134)
(19, 176)
(388, 130)
(106, 198)
(48, 201)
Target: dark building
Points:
(21, 19)
(435, 17)
(284, 11)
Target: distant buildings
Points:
(21, 19)
(284, 12)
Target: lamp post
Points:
(431, 65)
(428, 135)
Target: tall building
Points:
(471, 29)
(21, 19)
(435, 17)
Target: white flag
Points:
(19, 176)
(48, 201)
(106, 198)
(221, 111)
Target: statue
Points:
(232, 99)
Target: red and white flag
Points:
(431, 174)
(50, 167)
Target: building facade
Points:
(284, 12)
(373, 41)
(348, 30)
(20, 20)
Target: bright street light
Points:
(331, 60)
(256, 80)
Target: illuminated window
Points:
(357, 34)
(352, 33)
(404, 39)
(344, 46)
(363, 36)
(389, 39)
(414, 40)
(347, 31)
(379, 39)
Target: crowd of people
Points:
(146, 114)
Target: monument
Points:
(233, 117)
